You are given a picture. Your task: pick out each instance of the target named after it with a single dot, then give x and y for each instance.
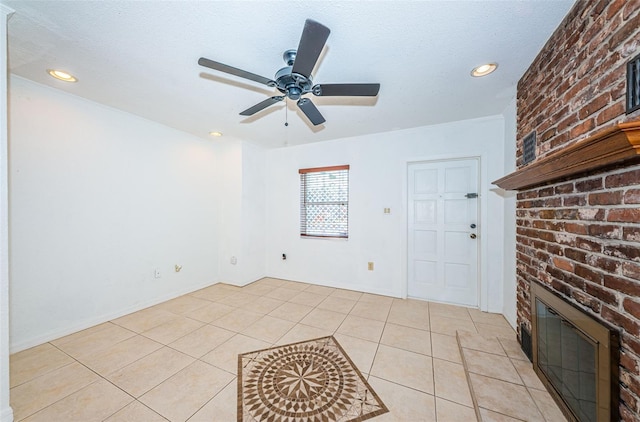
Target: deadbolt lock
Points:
(472, 235)
(473, 226)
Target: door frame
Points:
(483, 285)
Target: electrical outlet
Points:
(233, 260)
(156, 273)
(370, 266)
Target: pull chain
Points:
(286, 112)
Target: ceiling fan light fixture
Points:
(484, 70)
(215, 134)
(62, 75)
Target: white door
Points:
(443, 231)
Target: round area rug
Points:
(308, 381)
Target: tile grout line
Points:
(476, 407)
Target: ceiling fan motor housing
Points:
(293, 85)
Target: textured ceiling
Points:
(141, 57)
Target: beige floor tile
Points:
(407, 338)
(268, 281)
(410, 313)
(302, 332)
(215, 292)
(145, 319)
(364, 328)
(136, 412)
(173, 330)
(449, 311)
(144, 374)
(346, 294)
(263, 305)
(491, 365)
(488, 318)
(405, 368)
(268, 329)
(31, 363)
(291, 311)
(309, 299)
(547, 406)
(361, 352)
(449, 326)
(92, 341)
(513, 349)
(239, 299)
(320, 290)
(183, 304)
(93, 403)
(182, 395)
(120, 354)
(201, 341)
(257, 289)
(81, 334)
(504, 397)
(282, 293)
(210, 312)
(378, 299)
(445, 347)
(237, 320)
(371, 310)
(337, 304)
(447, 411)
(225, 356)
(497, 331)
(405, 404)
(223, 407)
(528, 375)
(481, 343)
(489, 416)
(294, 285)
(325, 319)
(451, 382)
(35, 395)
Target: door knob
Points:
(472, 235)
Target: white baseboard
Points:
(90, 322)
(6, 415)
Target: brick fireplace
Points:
(579, 234)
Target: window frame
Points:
(305, 233)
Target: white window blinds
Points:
(324, 202)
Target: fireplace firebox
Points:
(576, 357)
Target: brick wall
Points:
(581, 237)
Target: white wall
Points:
(6, 414)
(100, 198)
(509, 291)
(242, 212)
(378, 180)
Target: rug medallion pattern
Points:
(309, 381)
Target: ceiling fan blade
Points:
(234, 71)
(261, 105)
(346, 90)
(310, 110)
(314, 36)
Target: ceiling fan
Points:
(295, 80)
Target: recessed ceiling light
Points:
(216, 134)
(484, 70)
(62, 75)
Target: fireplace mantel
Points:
(614, 145)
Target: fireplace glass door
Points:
(568, 359)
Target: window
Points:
(324, 202)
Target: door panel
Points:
(442, 253)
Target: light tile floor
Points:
(177, 361)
